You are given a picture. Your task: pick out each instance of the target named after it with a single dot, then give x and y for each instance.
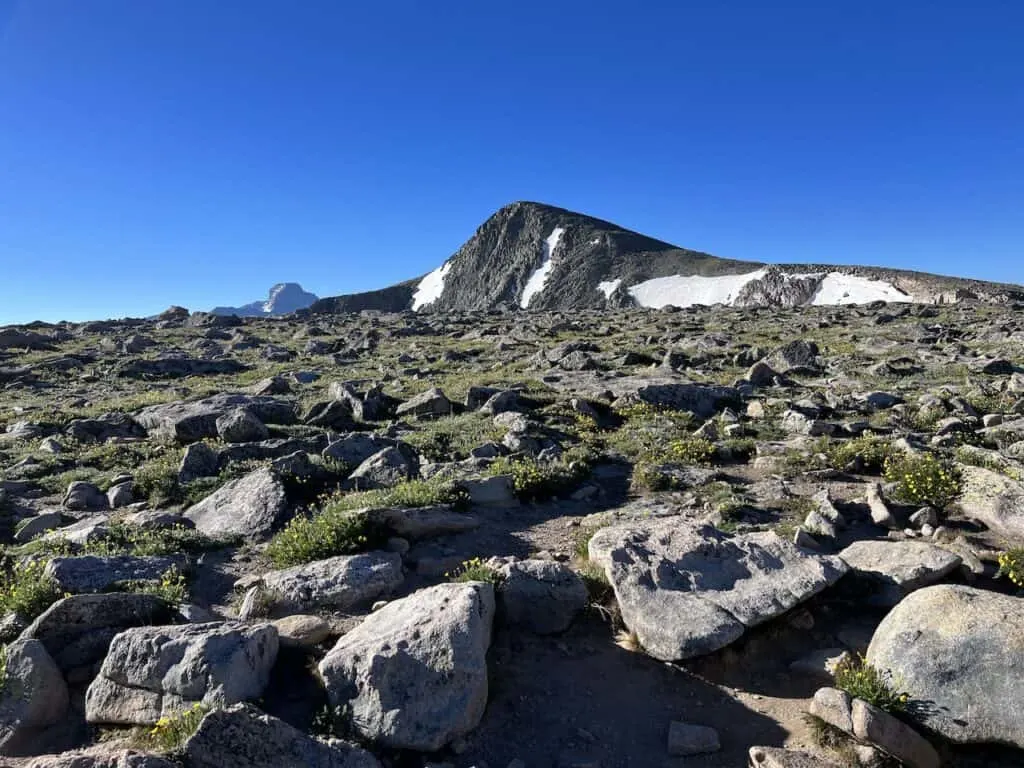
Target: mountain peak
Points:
(282, 299)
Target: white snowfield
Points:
(431, 287)
(608, 287)
(683, 291)
(539, 278)
(840, 288)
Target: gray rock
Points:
(121, 495)
(240, 426)
(33, 696)
(103, 428)
(81, 496)
(251, 506)
(424, 522)
(834, 707)
(77, 630)
(339, 583)
(761, 374)
(243, 737)
(872, 725)
(102, 757)
(413, 675)
(897, 568)
(150, 672)
(705, 400)
(34, 526)
(385, 468)
(189, 422)
(995, 500)
(686, 739)
(688, 590)
(540, 595)
(429, 404)
(355, 448)
(500, 402)
(958, 650)
(199, 460)
(93, 573)
(301, 631)
(776, 757)
(880, 513)
(495, 491)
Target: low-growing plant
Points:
(862, 680)
(172, 587)
(27, 590)
(1011, 565)
(327, 533)
(411, 493)
(171, 732)
(867, 453)
(120, 538)
(157, 480)
(922, 479)
(475, 569)
(537, 481)
(690, 450)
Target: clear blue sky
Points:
(196, 151)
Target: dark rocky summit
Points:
(536, 256)
(283, 299)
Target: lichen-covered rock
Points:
(413, 675)
(33, 696)
(958, 650)
(540, 595)
(243, 737)
(151, 672)
(337, 583)
(687, 590)
(251, 506)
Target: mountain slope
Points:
(539, 257)
(282, 299)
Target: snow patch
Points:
(608, 287)
(681, 291)
(431, 287)
(840, 288)
(539, 278)
(595, 241)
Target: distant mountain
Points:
(535, 256)
(283, 299)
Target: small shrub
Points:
(172, 587)
(26, 589)
(171, 733)
(863, 681)
(120, 538)
(475, 569)
(922, 479)
(867, 452)
(690, 450)
(599, 589)
(534, 481)
(1011, 565)
(327, 533)
(411, 493)
(3, 668)
(158, 479)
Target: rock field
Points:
(767, 537)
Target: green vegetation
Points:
(536, 481)
(27, 590)
(866, 453)
(1011, 565)
(922, 479)
(863, 681)
(452, 438)
(475, 569)
(330, 532)
(170, 733)
(172, 587)
(411, 493)
(690, 450)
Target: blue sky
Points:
(195, 151)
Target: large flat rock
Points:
(687, 589)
